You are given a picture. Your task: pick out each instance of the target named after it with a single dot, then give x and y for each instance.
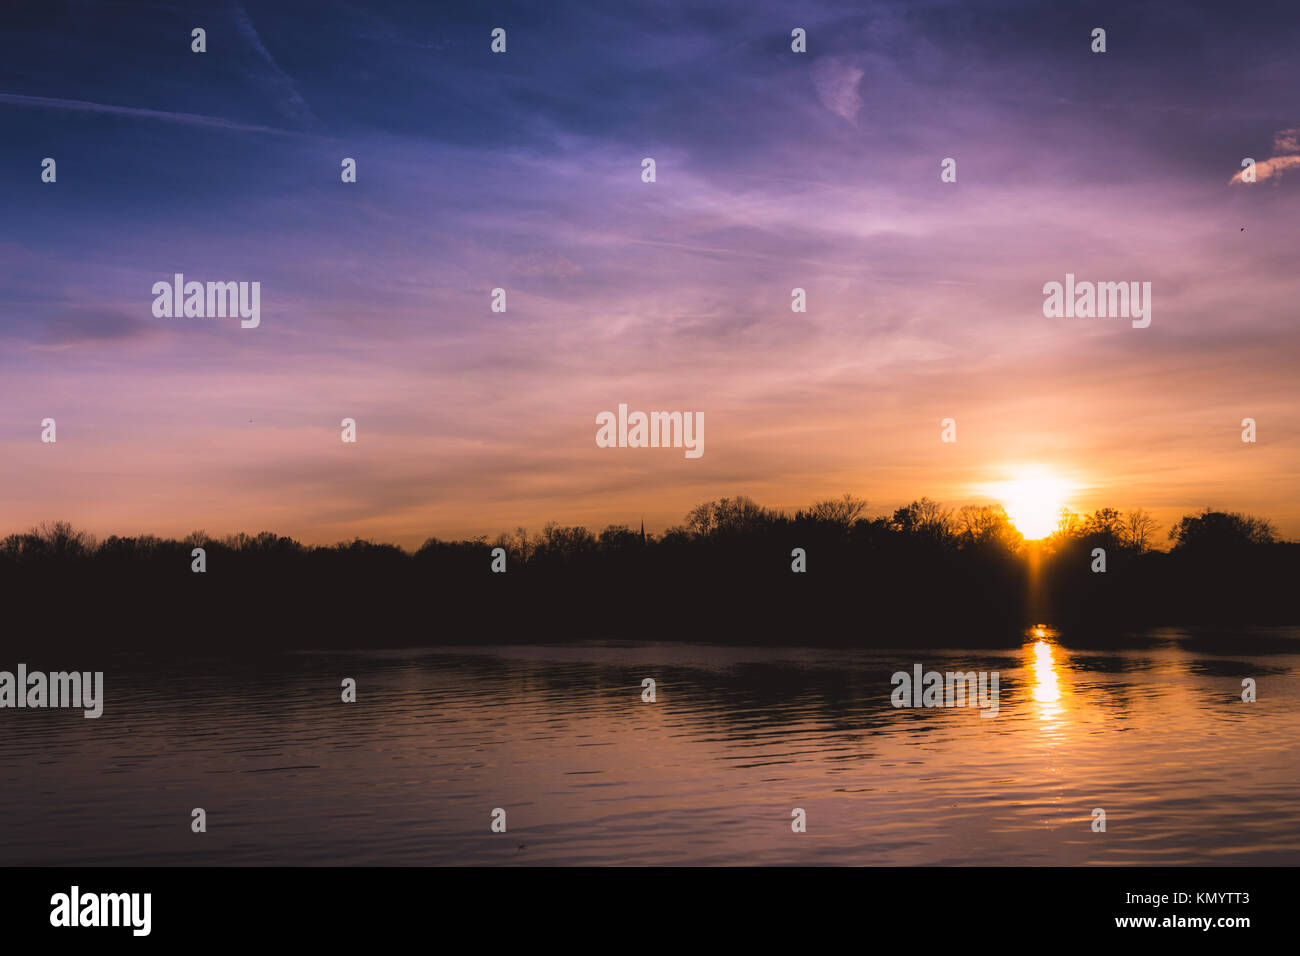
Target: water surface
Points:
(1155, 733)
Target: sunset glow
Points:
(1033, 503)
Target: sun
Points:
(1033, 502)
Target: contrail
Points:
(292, 103)
(192, 119)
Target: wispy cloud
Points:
(82, 326)
(836, 80)
(85, 106)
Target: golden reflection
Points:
(1049, 687)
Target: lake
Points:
(1154, 732)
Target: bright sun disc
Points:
(1034, 504)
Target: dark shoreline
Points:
(755, 578)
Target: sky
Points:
(522, 170)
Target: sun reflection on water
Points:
(1048, 687)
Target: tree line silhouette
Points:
(925, 572)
